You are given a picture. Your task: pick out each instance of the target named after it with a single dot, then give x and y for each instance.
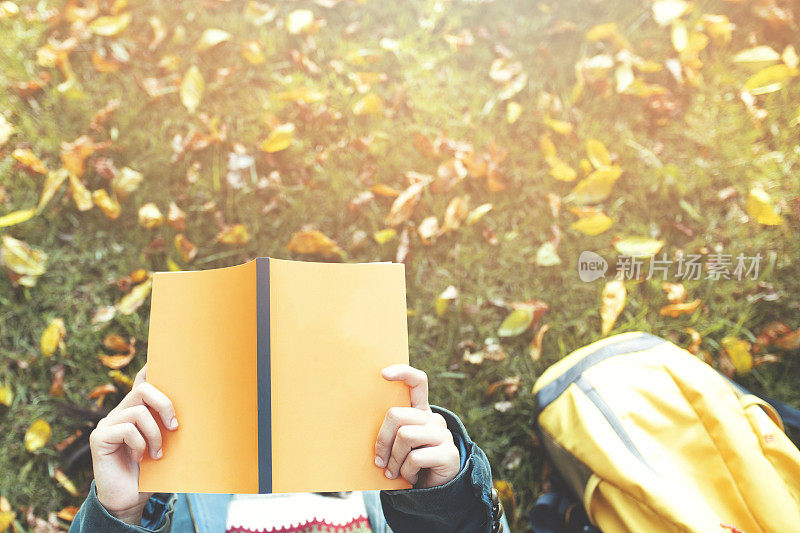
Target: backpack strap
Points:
(790, 415)
(558, 511)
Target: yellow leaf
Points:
(38, 435)
(51, 184)
(665, 12)
(558, 126)
(192, 88)
(235, 235)
(211, 38)
(74, 154)
(457, 210)
(252, 52)
(759, 206)
(546, 147)
(6, 517)
(598, 155)
(53, 337)
(739, 352)
(770, 79)
(67, 513)
(107, 205)
(129, 303)
(678, 309)
(444, 299)
(6, 130)
(25, 263)
(596, 187)
(477, 213)
(6, 397)
(370, 104)
(680, 37)
(125, 182)
(17, 217)
(513, 112)
(150, 216)
(279, 138)
(65, 482)
(403, 205)
(110, 25)
(601, 32)
(594, 224)
(8, 9)
(29, 160)
(299, 21)
(613, 301)
(638, 246)
(562, 171)
(80, 194)
(789, 57)
(757, 57)
(385, 235)
(313, 242)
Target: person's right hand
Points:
(119, 443)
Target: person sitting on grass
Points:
(425, 445)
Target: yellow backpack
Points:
(650, 438)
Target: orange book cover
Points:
(273, 367)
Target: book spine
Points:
(264, 377)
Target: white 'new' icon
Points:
(591, 266)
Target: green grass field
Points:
(382, 81)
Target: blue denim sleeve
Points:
(93, 517)
(463, 505)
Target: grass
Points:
(673, 173)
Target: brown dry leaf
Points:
(116, 343)
(510, 386)
(456, 212)
(28, 160)
(53, 337)
(381, 189)
(185, 247)
(57, 385)
(107, 205)
(116, 361)
(678, 309)
(38, 435)
(404, 204)
(102, 390)
(68, 513)
(613, 301)
(74, 154)
(449, 174)
(676, 292)
(80, 194)
(176, 218)
(235, 235)
(314, 242)
(129, 303)
(535, 348)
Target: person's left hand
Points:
(414, 442)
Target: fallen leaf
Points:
(593, 224)
(769, 79)
(477, 214)
(107, 205)
(547, 255)
(444, 299)
(176, 218)
(596, 187)
(74, 154)
(38, 435)
(192, 88)
(299, 21)
(116, 361)
(561, 171)
(28, 159)
(403, 205)
(535, 348)
(513, 112)
(313, 242)
(65, 482)
(638, 246)
(211, 38)
(759, 206)
(428, 229)
(6, 394)
(185, 247)
(612, 304)
(109, 26)
(517, 322)
(67, 513)
(253, 53)
(738, 351)
(385, 235)
(370, 104)
(129, 303)
(598, 155)
(17, 217)
(757, 57)
(80, 194)
(665, 12)
(676, 292)
(6, 131)
(457, 210)
(678, 309)
(122, 380)
(235, 235)
(280, 138)
(53, 337)
(57, 385)
(24, 263)
(150, 216)
(510, 386)
(102, 391)
(125, 182)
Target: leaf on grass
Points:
(535, 348)
(28, 159)
(665, 12)
(185, 247)
(129, 303)
(107, 205)
(612, 304)
(313, 242)
(150, 216)
(6, 130)
(477, 214)
(299, 21)
(593, 224)
(38, 435)
(67, 513)
(369, 104)
(517, 322)
(53, 337)
(6, 394)
(455, 213)
(638, 246)
(678, 309)
(547, 255)
(80, 194)
(403, 206)
(176, 218)
(513, 112)
(769, 79)
(24, 263)
(561, 171)
(280, 138)
(116, 361)
(676, 292)
(758, 56)
(596, 187)
(444, 299)
(211, 38)
(74, 154)
(253, 53)
(17, 217)
(559, 126)
(110, 25)
(428, 229)
(52, 183)
(125, 182)
(65, 482)
(385, 235)
(759, 206)
(192, 88)
(738, 351)
(235, 235)
(598, 155)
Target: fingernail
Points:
(158, 454)
(379, 462)
(173, 423)
(389, 475)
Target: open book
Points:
(273, 367)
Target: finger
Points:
(107, 440)
(142, 418)
(421, 458)
(416, 379)
(141, 376)
(152, 397)
(394, 419)
(409, 438)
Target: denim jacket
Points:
(462, 505)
